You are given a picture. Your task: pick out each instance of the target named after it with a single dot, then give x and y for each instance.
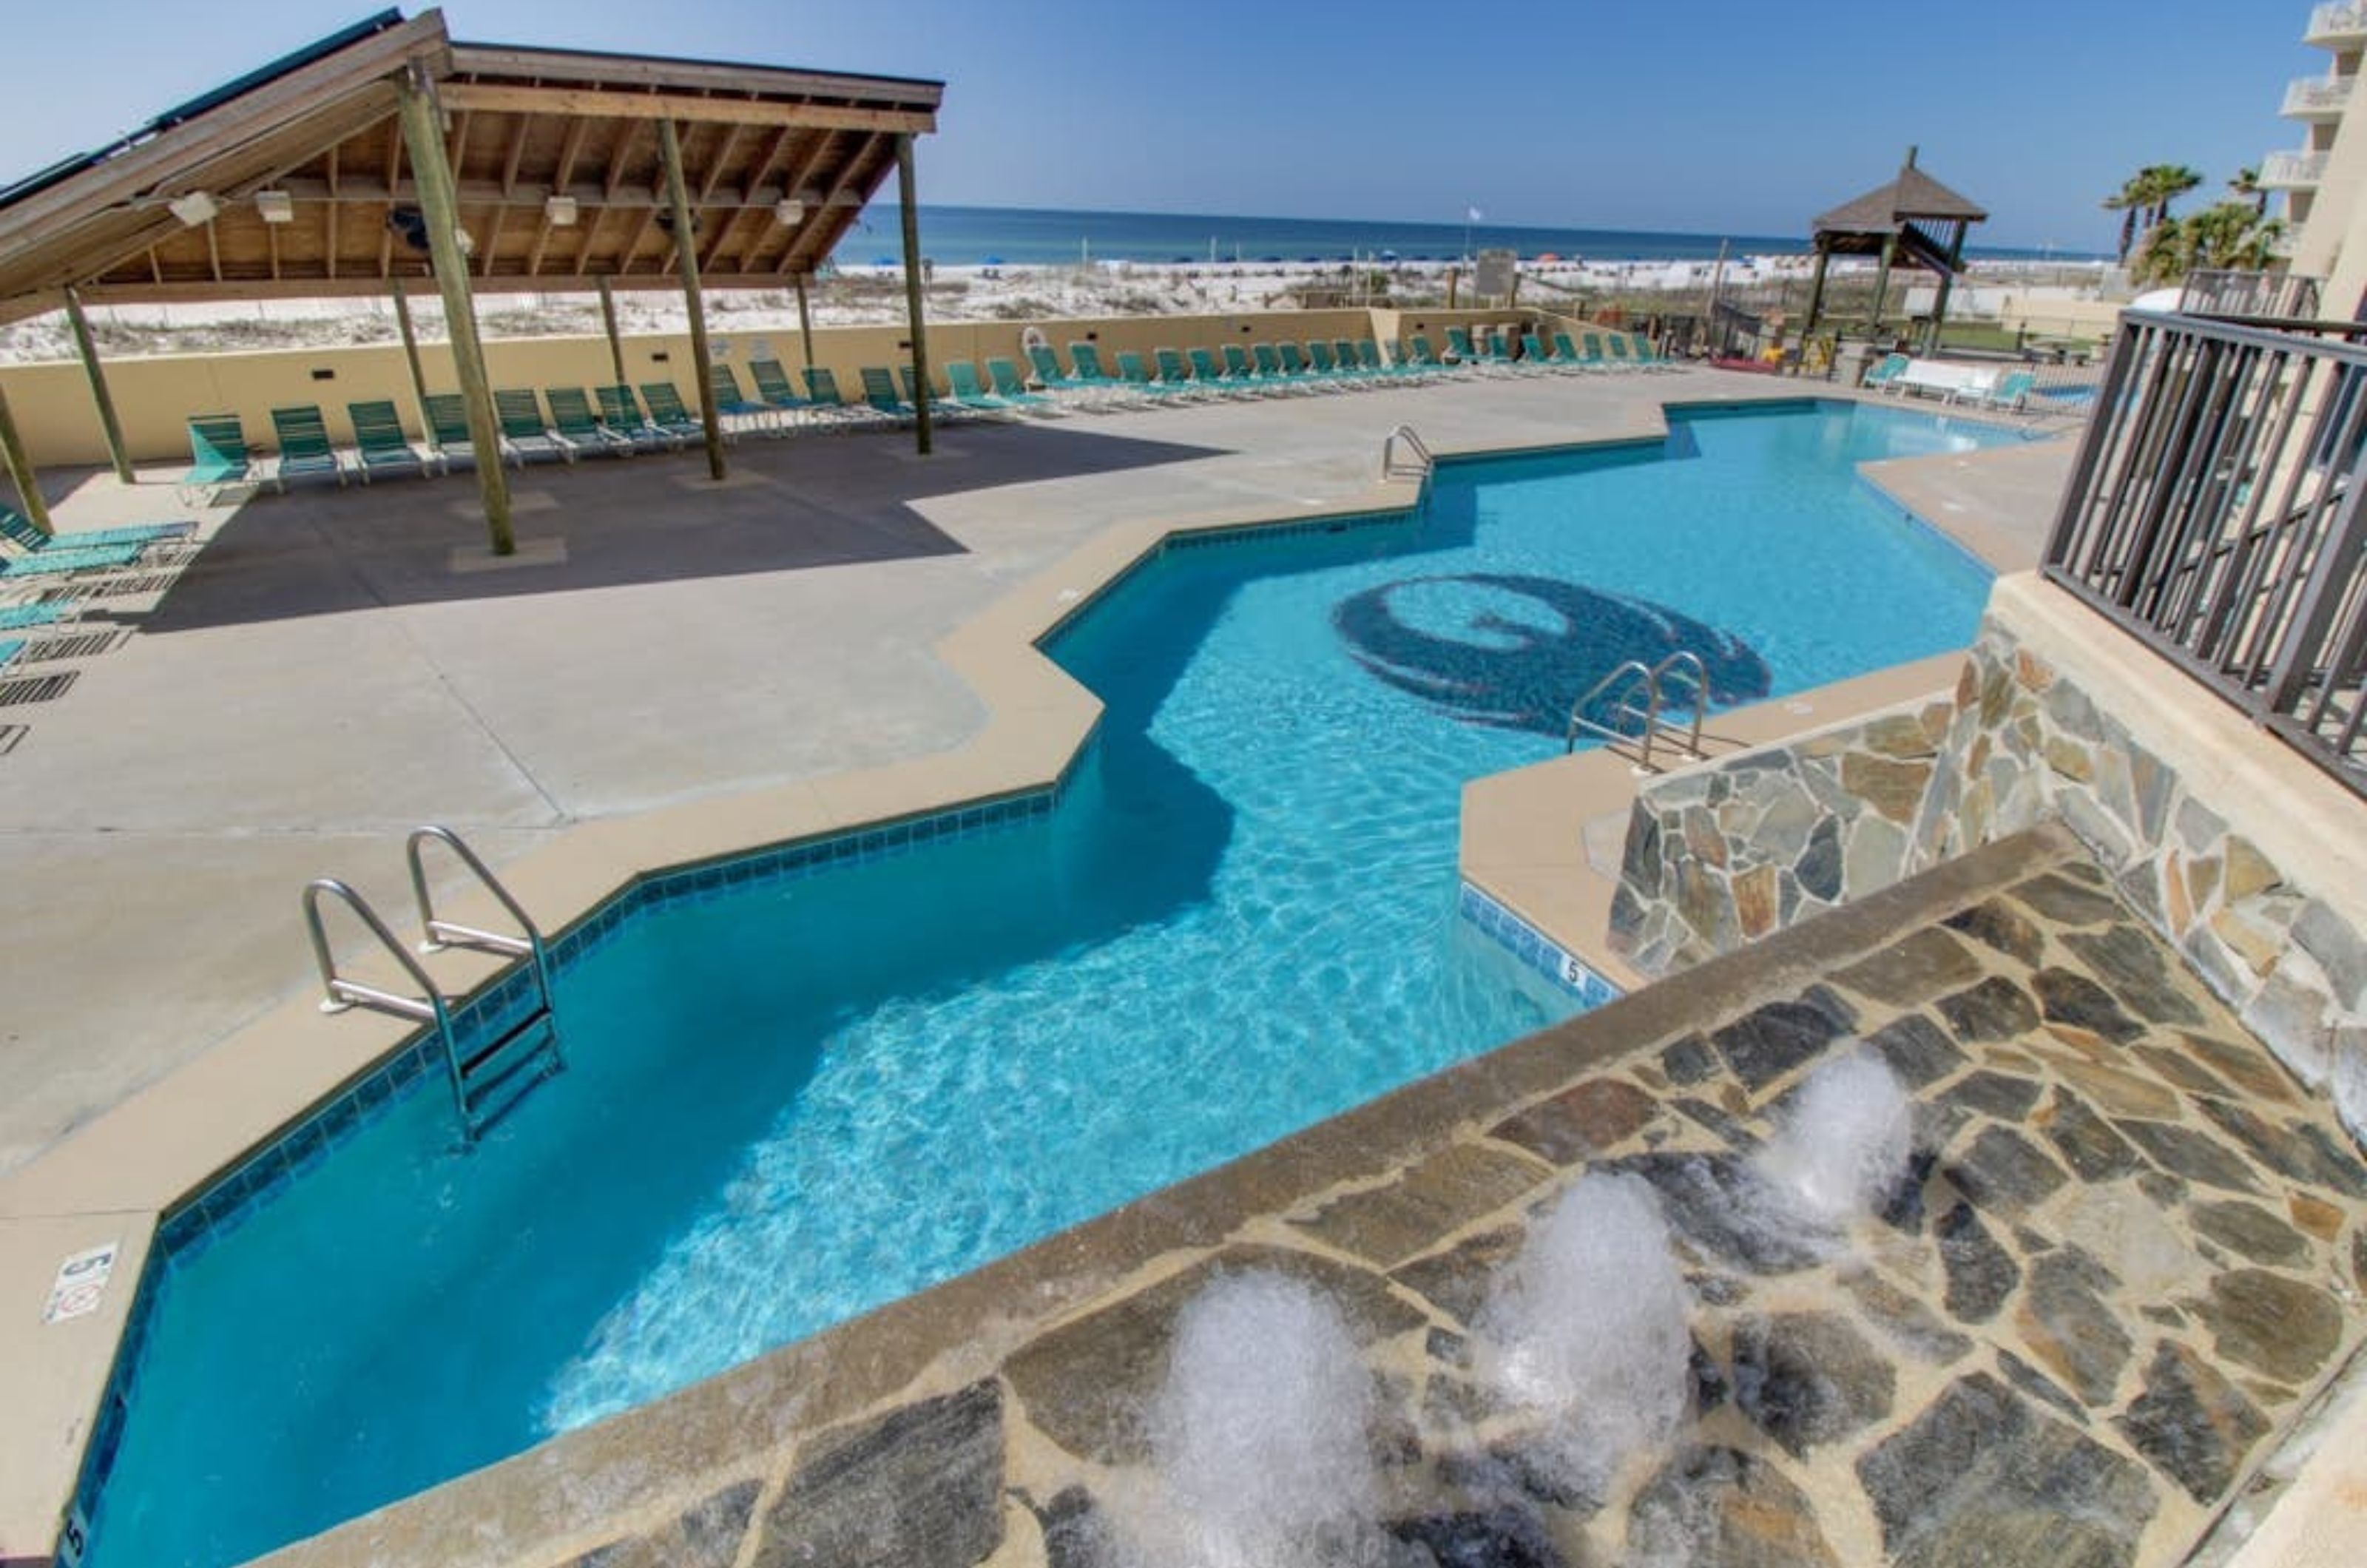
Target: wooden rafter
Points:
(682, 107)
(807, 167)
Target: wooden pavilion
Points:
(390, 152)
(1913, 221)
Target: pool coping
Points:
(118, 1179)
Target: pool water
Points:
(798, 1101)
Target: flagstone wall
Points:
(1723, 852)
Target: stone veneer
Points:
(1720, 854)
(2126, 1256)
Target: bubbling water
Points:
(1585, 1332)
(1840, 1150)
(1260, 1434)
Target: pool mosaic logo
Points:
(1513, 652)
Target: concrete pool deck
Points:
(702, 673)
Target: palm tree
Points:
(2127, 201)
(2231, 236)
(2166, 182)
(2246, 185)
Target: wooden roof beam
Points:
(471, 60)
(682, 107)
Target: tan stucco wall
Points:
(153, 397)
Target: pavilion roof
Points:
(779, 163)
(1912, 195)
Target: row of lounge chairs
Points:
(1977, 386)
(566, 423)
(28, 553)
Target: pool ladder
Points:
(489, 1080)
(1638, 696)
(1416, 464)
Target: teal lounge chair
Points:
(217, 457)
(18, 528)
(448, 428)
(1892, 367)
(968, 391)
(908, 381)
(571, 417)
(2012, 394)
(773, 388)
(379, 444)
(822, 390)
(730, 404)
(9, 648)
(1322, 364)
(1240, 371)
(63, 563)
(32, 617)
(1294, 365)
(1011, 387)
(524, 434)
(621, 412)
(1135, 372)
(1089, 373)
(1049, 374)
(1208, 372)
(1647, 356)
(880, 395)
(1173, 372)
(304, 446)
(1275, 368)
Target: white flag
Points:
(1474, 214)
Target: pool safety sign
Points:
(81, 1281)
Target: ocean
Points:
(1022, 236)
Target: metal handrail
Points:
(437, 934)
(342, 993)
(1652, 676)
(1423, 469)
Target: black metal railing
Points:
(2252, 295)
(2214, 512)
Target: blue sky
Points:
(1716, 115)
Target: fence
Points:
(2282, 295)
(2214, 512)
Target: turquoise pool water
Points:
(795, 1102)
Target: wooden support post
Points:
(20, 469)
(685, 252)
(608, 319)
(922, 433)
(411, 355)
(423, 137)
(1882, 281)
(1454, 277)
(108, 426)
(805, 321)
(1817, 295)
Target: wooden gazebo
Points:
(1913, 221)
(388, 152)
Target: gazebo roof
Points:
(1912, 195)
(779, 163)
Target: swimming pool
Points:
(792, 1102)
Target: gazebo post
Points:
(905, 193)
(1817, 293)
(1947, 282)
(423, 140)
(686, 255)
(608, 321)
(1882, 279)
(20, 469)
(805, 321)
(411, 355)
(108, 426)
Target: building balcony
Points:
(2292, 171)
(2317, 98)
(2337, 26)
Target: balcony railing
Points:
(2281, 295)
(2215, 514)
(2337, 24)
(2293, 171)
(2318, 98)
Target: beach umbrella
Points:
(883, 261)
(1548, 256)
(993, 261)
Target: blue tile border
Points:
(1532, 947)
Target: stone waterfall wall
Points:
(1722, 853)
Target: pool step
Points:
(496, 1078)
